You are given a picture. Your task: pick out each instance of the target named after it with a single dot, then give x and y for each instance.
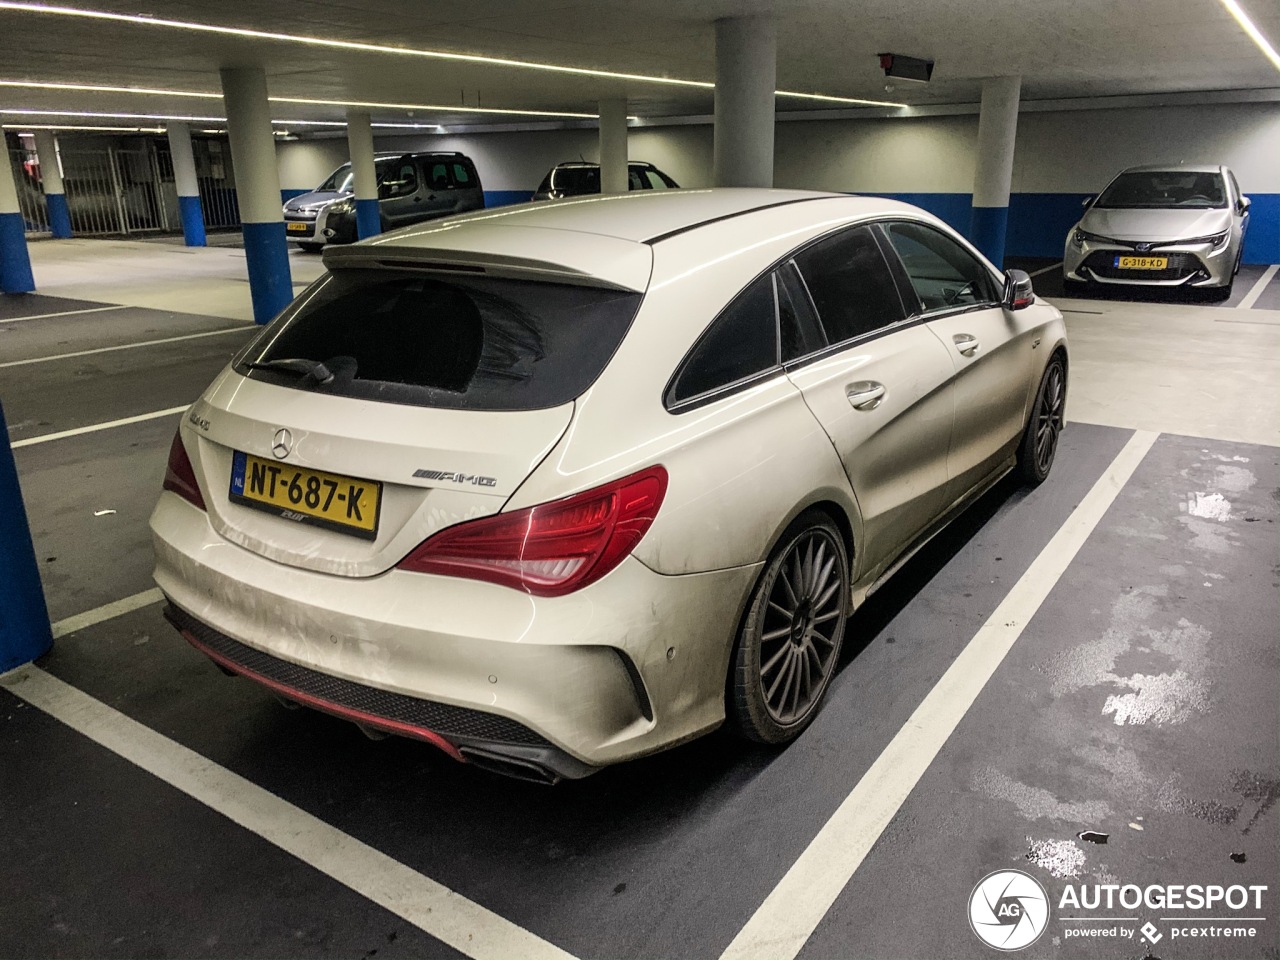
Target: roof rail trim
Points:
(737, 213)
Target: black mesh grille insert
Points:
(442, 718)
(1181, 265)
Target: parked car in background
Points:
(412, 187)
(578, 483)
(1161, 226)
(576, 179)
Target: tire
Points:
(789, 645)
(311, 247)
(1040, 437)
(1076, 288)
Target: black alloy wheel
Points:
(789, 645)
(1040, 441)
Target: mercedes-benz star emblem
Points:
(282, 443)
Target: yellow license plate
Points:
(1142, 263)
(295, 227)
(346, 504)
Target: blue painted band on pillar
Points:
(987, 230)
(368, 220)
(24, 619)
(59, 215)
(267, 254)
(192, 213)
(15, 263)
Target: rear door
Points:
(439, 194)
(879, 383)
(400, 193)
(991, 348)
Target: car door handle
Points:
(865, 394)
(966, 344)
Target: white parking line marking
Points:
(431, 907)
(792, 911)
(108, 611)
(126, 346)
(1053, 266)
(1255, 291)
(64, 313)
(94, 427)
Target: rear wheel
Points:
(789, 645)
(1040, 439)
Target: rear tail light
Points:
(553, 548)
(179, 475)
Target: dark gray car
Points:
(412, 187)
(577, 179)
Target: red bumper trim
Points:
(337, 710)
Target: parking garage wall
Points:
(1062, 157)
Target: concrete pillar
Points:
(746, 77)
(184, 179)
(15, 263)
(993, 174)
(24, 619)
(55, 198)
(613, 146)
(364, 174)
(253, 157)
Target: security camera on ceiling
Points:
(906, 68)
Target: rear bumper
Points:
(632, 664)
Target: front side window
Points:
(1149, 190)
(466, 343)
(850, 284)
(401, 181)
(740, 344)
(339, 181)
(943, 274)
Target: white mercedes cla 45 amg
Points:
(559, 485)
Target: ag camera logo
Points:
(1008, 910)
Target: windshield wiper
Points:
(314, 369)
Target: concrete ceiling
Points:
(1080, 48)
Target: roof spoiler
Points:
(625, 268)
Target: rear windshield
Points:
(1147, 190)
(460, 343)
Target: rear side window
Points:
(850, 284)
(465, 343)
(438, 176)
(461, 175)
(943, 273)
(740, 343)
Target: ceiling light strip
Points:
(1254, 33)
(353, 45)
(360, 46)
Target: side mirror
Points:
(1086, 201)
(1245, 204)
(1018, 294)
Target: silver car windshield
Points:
(1150, 190)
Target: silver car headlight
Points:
(1216, 239)
(1080, 236)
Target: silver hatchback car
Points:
(1163, 226)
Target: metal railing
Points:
(31, 203)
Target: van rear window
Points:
(465, 343)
